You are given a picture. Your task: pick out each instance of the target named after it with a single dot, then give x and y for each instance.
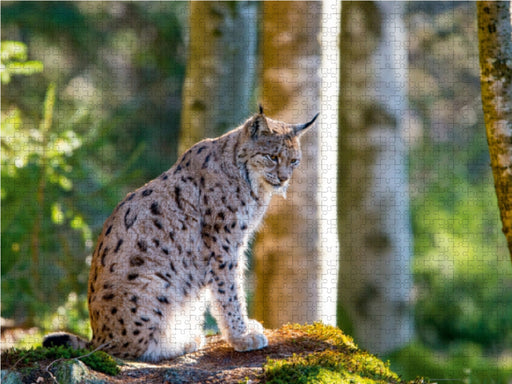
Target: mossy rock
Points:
(10, 377)
(68, 365)
(74, 371)
(329, 357)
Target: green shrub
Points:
(464, 362)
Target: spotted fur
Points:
(178, 243)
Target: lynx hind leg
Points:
(181, 332)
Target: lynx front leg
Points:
(230, 311)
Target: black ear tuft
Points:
(261, 109)
(299, 129)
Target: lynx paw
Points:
(194, 345)
(249, 342)
(252, 339)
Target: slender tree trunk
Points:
(286, 251)
(495, 43)
(35, 240)
(220, 69)
(327, 159)
(373, 217)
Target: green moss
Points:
(336, 360)
(39, 357)
(102, 362)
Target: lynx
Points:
(177, 244)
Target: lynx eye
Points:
(272, 158)
(295, 162)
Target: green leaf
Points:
(14, 55)
(27, 68)
(13, 50)
(57, 214)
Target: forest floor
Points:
(215, 363)
(294, 351)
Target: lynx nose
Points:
(283, 175)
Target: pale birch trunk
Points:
(287, 249)
(327, 160)
(373, 206)
(221, 68)
(495, 44)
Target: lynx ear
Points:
(257, 126)
(300, 129)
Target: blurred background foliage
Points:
(112, 82)
(462, 269)
(90, 110)
(461, 266)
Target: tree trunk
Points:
(220, 69)
(327, 153)
(495, 43)
(35, 238)
(286, 251)
(373, 205)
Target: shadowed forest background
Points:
(98, 98)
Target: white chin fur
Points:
(281, 190)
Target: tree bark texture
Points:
(286, 250)
(373, 205)
(220, 69)
(495, 44)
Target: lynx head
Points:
(270, 152)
